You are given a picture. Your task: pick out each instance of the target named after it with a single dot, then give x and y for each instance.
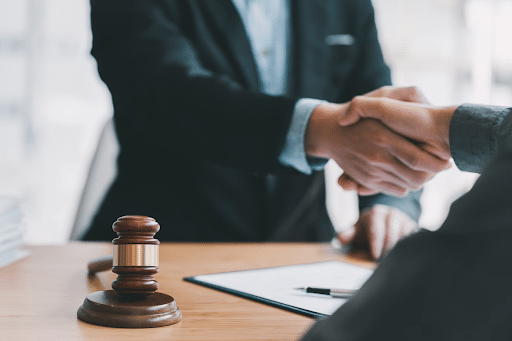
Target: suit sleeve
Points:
(164, 95)
(478, 133)
(409, 204)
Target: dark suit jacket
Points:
(452, 284)
(199, 141)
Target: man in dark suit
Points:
(454, 283)
(202, 143)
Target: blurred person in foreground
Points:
(454, 283)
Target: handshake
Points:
(387, 141)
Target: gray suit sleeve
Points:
(409, 204)
(478, 133)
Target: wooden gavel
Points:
(135, 256)
(133, 302)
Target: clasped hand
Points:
(387, 141)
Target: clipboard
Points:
(276, 286)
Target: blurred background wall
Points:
(53, 104)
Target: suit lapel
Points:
(225, 18)
(310, 54)
(310, 20)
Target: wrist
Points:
(444, 117)
(322, 123)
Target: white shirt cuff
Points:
(294, 154)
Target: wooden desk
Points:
(40, 295)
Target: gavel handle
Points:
(100, 264)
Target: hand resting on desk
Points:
(378, 230)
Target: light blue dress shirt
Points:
(267, 25)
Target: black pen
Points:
(338, 293)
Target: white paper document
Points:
(276, 286)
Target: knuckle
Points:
(367, 180)
(413, 90)
(415, 94)
(380, 209)
(417, 188)
(370, 182)
(356, 101)
(418, 179)
(403, 192)
(423, 177)
(376, 159)
(412, 161)
(386, 89)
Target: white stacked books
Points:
(11, 231)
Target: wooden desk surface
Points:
(40, 295)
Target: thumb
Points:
(349, 114)
(347, 235)
(362, 107)
(347, 183)
(406, 118)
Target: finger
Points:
(435, 151)
(364, 191)
(418, 96)
(407, 94)
(395, 182)
(394, 223)
(373, 174)
(385, 188)
(413, 156)
(417, 159)
(347, 183)
(380, 186)
(377, 230)
(408, 227)
(387, 110)
(346, 236)
(394, 172)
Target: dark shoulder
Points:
(357, 10)
(353, 15)
(355, 5)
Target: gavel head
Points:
(135, 256)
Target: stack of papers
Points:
(11, 231)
